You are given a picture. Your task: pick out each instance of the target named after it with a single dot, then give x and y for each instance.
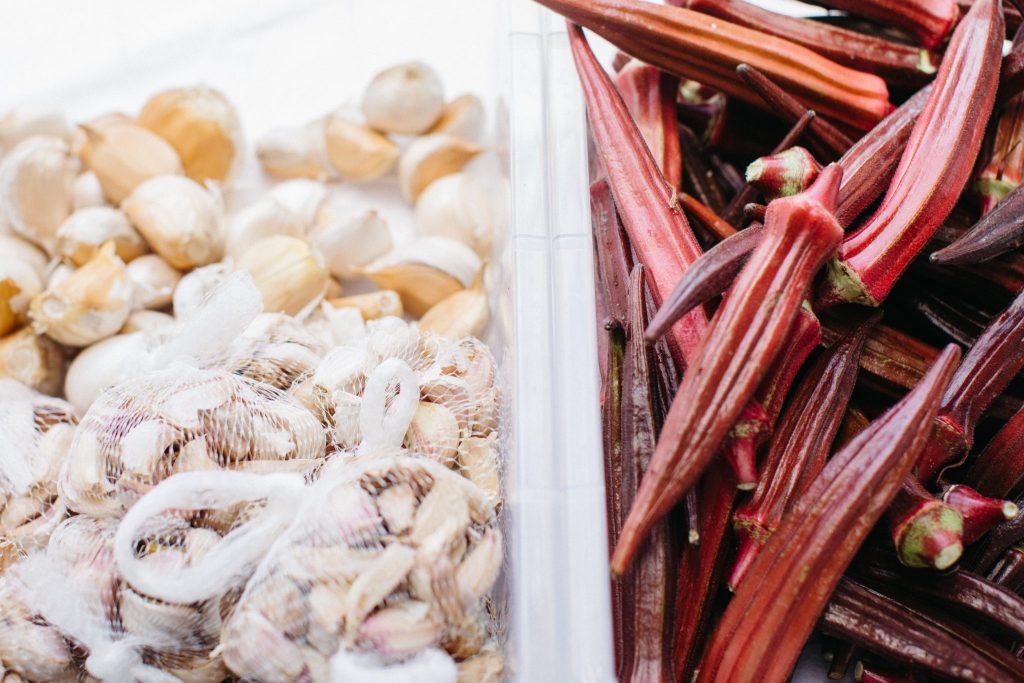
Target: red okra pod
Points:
(1003, 156)
(706, 217)
(934, 168)
(657, 228)
(1009, 571)
(928, 20)
(765, 626)
(998, 231)
(743, 339)
(693, 45)
(699, 176)
(980, 513)
(890, 354)
(925, 531)
(799, 446)
(870, 673)
(998, 470)
(783, 174)
(997, 541)
(650, 95)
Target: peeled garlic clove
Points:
(356, 151)
(81, 235)
(425, 271)
(201, 125)
(155, 280)
(431, 157)
(36, 181)
(294, 152)
(92, 304)
(463, 116)
(373, 305)
(349, 241)
(180, 219)
(265, 218)
(124, 155)
(19, 283)
(289, 273)
(104, 364)
(25, 122)
(194, 287)
(463, 314)
(34, 360)
(478, 462)
(458, 206)
(146, 321)
(406, 98)
(402, 629)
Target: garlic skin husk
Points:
(265, 218)
(32, 359)
(201, 125)
(81, 235)
(124, 155)
(431, 157)
(372, 305)
(36, 181)
(86, 191)
(180, 219)
(462, 116)
(336, 326)
(20, 282)
(357, 152)
(302, 197)
(294, 152)
(426, 271)
(147, 321)
(349, 241)
(406, 99)
(195, 286)
(25, 122)
(461, 207)
(155, 280)
(289, 272)
(102, 365)
(463, 314)
(91, 304)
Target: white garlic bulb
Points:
(195, 286)
(87, 191)
(349, 241)
(431, 157)
(36, 181)
(463, 116)
(357, 152)
(458, 206)
(123, 155)
(86, 230)
(288, 271)
(426, 271)
(294, 152)
(155, 280)
(407, 99)
(180, 219)
(104, 364)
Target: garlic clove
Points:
(155, 280)
(434, 433)
(425, 271)
(376, 582)
(256, 649)
(81, 235)
(458, 206)
(265, 218)
(463, 314)
(294, 152)
(92, 304)
(26, 122)
(401, 629)
(19, 249)
(463, 116)
(349, 241)
(486, 667)
(397, 506)
(202, 126)
(102, 365)
(86, 191)
(19, 283)
(34, 360)
(288, 271)
(302, 197)
(57, 273)
(36, 181)
(479, 570)
(443, 515)
(407, 99)
(195, 286)
(124, 155)
(358, 152)
(431, 157)
(336, 326)
(146, 321)
(180, 219)
(372, 305)
(478, 462)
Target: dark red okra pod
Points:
(784, 174)
(742, 341)
(980, 513)
(925, 531)
(1003, 156)
(870, 673)
(765, 626)
(1009, 571)
(999, 231)
(650, 95)
(934, 169)
(928, 20)
(998, 470)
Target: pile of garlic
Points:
(115, 236)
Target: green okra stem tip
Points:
(932, 536)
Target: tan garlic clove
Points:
(357, 152)
(294, 152)
(34, 360)
(463, 116)
(19, 284)
(463, 314)
(425, 271)
(431, 157)
(478, 462)
(146, 321)
(124, 155)
(372, 305)
(486, 667)
(155, 280)
(81, 235)
(289, 273)
(26, 122)
(434, 432)
(349, 241)
(202, 126)
(36, 180)
(102, 365)
(406, 98)
(180, 219)
(92, 304)
(458, 206)
(402, 629)
(196, 285)
(479, 570)
(86, 191)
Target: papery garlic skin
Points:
(26, 122)
(458, 206)
(358, 152)
(81, 235)
(32, 359)
(86, 191)
(104, 364)
(181, 220)
(36, 181)
(19, 283)
(124, 155)
(266, 218)
(155, 280)
(288, 271)
(406, 99)
(349, 241)
(463, 116)
(195, 286)
(431, 157)
(425, 271)
(294, 152)
(301, 196)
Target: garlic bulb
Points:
(302, 197)
(201, 125)
(86, 230)
(146, 321)
(289, 273)
(180, 219)
(90, 305)
(104, 364)
(463, 116)
(36, 181)
(431, 157)
(356, 151)
(155, 280)
(372, 305)
(425, 271)
(194, 287)
(350, 241)
(86, 191)
(458, 206)
(294, 152)
(34, 360)
(463, 314)
(407, 99)
(19, 282)
(124, 155)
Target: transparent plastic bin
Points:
(283, 62)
